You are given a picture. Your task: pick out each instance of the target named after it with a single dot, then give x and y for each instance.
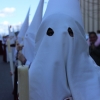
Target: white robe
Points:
(62, 66)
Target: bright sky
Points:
(13, 12)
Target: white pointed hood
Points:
(62, 66)
(12, 36)
(24, 27)
(29, 40)
(68, 7)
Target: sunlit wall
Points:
(91, 14)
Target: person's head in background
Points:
(92, 37)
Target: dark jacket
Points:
(95, 54)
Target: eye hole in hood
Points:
(50, 32)
(70, 31)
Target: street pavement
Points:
(6, 86)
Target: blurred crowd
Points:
(94, 46)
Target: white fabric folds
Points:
(62, 66)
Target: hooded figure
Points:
(12, 39)
(21, 34)
(12, 36)
(29, 40)
(62, 67)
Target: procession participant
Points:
(21, 34)
(62, 68)
(12, 39)
(29, 40)
(18, 44)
